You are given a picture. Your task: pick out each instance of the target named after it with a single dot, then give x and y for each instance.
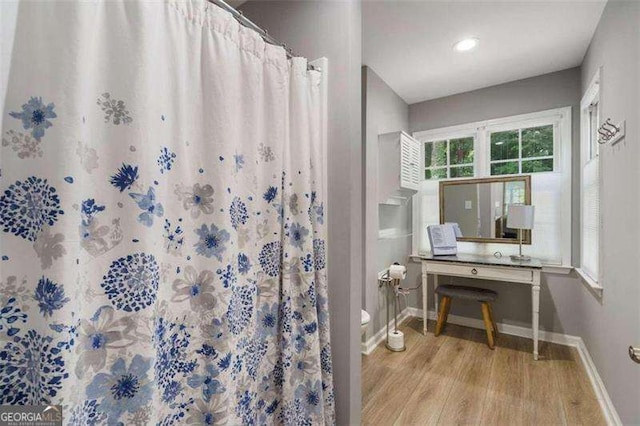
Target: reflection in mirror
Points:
(480, 207)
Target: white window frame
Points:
(481, 131)
(520, 158)
(587, 147)
(560, 118)
(452, 135)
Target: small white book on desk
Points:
(442, 239)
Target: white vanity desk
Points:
(487, 268)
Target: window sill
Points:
(552, 268)
(593, 286)
(393, 233)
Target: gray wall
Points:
(333, 29)
(611, 324)
(554, 90)
(383, 112)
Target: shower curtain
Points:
(162, 220)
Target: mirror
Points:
(480, 207)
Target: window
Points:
(590, 185)
(518, 151)
(512, 150)
(537, 143)
(593, 123)
(449, 158)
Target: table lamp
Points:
(520, 216)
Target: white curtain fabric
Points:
(162, 217)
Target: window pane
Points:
(435, 154)
(435, 173)
(461, 151)
(594, 115)
(535, 166)
(464, 171)
(508, 168)
(504, 145)
(537, 141)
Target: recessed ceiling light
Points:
(466, 44)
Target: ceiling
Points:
(409, 44)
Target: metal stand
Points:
(393, 283)
(520, 257)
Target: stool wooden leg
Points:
(493, 321)
(442, 315)
(486, 316)
(446, 312)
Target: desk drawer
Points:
(478, 271)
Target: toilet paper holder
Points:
(393, 272)
(390, 278)
(384, 278)
(395, 338)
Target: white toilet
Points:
(364, 321)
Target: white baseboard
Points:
(367, 347)
(608, 409)
(513, 330)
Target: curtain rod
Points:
(243, 20)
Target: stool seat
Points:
(482, 295)
(469, 293)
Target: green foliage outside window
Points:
(464, 171)
(506, 168)
(537, 142)
(435, 154)
(512, 152)
(536, 166)
(459, 161)
(504, 145)
(461, 151)
(435, 173)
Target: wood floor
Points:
(456, 379)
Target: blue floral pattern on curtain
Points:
(152, 273)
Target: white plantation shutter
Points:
(410, 163)
(417, 170)
(590, 217)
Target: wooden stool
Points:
(482, 295)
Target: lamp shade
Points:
(520, 216)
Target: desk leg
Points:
(535, 304)
(435, 295)
(424, 299)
